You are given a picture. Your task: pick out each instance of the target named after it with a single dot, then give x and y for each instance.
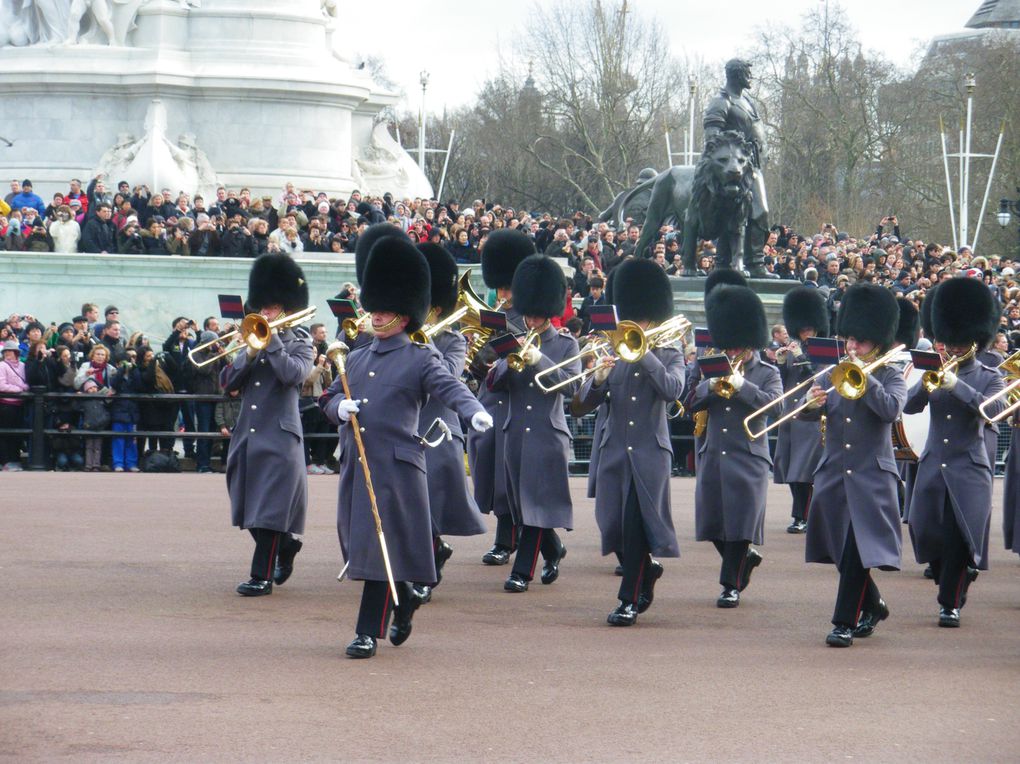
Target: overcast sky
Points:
(457, 41)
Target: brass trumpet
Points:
(254, 333)
(848, 379)
(354, 326)
(932, 380)
(516, 361)
(1010, 394)
(724, 385)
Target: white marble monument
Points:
(186, 94)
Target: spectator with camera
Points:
(26, 198)
(181, 371)
(124, 416)
(238, 240)
(205, 239)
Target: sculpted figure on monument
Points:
(33, 22)
(732, 109)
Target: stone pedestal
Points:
(256, 82)
(689, 297)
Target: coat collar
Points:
(395, 342)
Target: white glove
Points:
(948, 380)
(252, 352)
(347, 409)
(532, 356)
(481, 421)
(602, 374)
(737, 380)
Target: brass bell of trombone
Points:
(254, 333)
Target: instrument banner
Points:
(343, 309)
(824, 350)
(712, 366)
(505, 344)
(926, 360)
(231, 306)
(494, 320)
(702, 338)
(603, 318)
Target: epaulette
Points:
(301, 333)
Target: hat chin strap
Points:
(390, 324)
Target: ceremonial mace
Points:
(337, 353)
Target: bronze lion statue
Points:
(713, 202)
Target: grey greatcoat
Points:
(856, 481)
(954, 464)
(599, 428)
(733, 470)
(537, 436)
(635, 448)
(390, 379)
(266, 475)
(799, 443)
(1010, 489)
(454, 511)
(486, 450)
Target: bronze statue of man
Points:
(732, 109)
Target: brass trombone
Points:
(516, 361)
(599, 347)
(932, 380)
(628, 341)
(254, 333)
(1010, 394)
(849, 379)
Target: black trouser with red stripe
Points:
(377, 606)
(534, 540)
(267, 546)
(950, 567)
(506, 532)
(801, 500)
(734, 562)
(636, 557)
(857, 591)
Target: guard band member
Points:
(504, 250)
(537, 437)
(799, 443)
(390, 380)
(266, 475)
(632, 503)
(733, 471)
(454, 511)
(854, 521)
(951, 504)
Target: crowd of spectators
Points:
(95, 357)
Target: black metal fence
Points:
(581, 428)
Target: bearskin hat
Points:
(804, 307)
(868, 312)
(964, 311)
(365, 242)
(539, 287)
(504, 250)
(719, 276)
(908, 330)
(397, 280)
(444, 272)
(277, 280)
(736, 318)
(642, 292)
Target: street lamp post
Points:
(1008, 208)
(424, 79)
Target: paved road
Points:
(123, 640)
